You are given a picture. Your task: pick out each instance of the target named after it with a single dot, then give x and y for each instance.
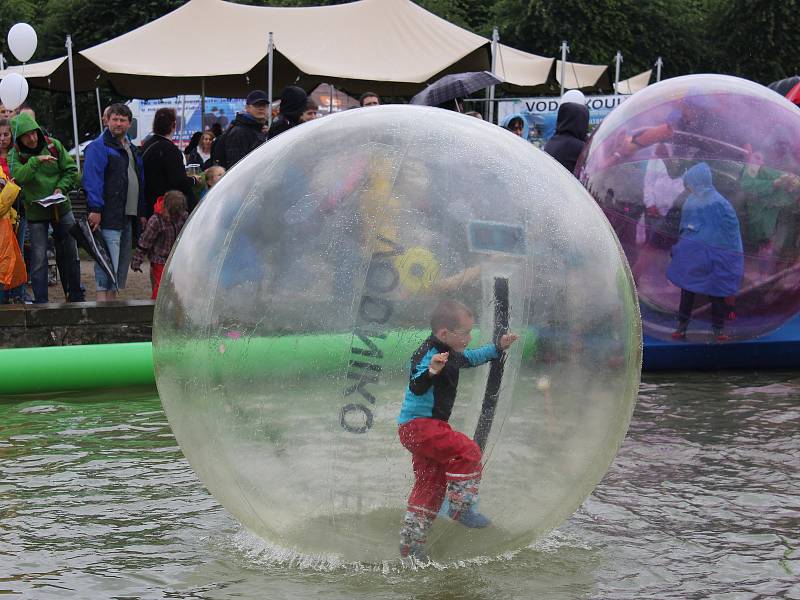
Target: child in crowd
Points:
(159, 236)
(311, 112)
(446, 462)
(212, 176)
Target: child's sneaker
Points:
(471, 518)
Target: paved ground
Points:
(137, 286)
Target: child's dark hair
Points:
(174, 204)
(447, 315)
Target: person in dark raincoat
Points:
(572, 127)
(293, 104)
(708, 257)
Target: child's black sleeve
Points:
(420, 382)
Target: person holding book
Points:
(46, 172)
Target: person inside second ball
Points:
(446, 462)
(707, 259)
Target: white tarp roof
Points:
(391, 41)
(42, 69)
(48, 74)
(522, 69)
(635, 83)
(579, 76)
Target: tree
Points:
(595, 30)
(758, 39)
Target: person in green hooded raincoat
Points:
(41, 166)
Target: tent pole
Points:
(183, 120)
(202, 104)
(659, 64)
(2, 62)
(99, 108)
(72, 96)
(495, 40)
(564, 50)
(330, 99)
(270, 48)
(618, 61)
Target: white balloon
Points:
(22, 41)
(13, 90)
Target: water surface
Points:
(96, 501)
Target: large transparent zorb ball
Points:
(305, 281)
(743, 248)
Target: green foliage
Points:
(595, 30)
(761, 37)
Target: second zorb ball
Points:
(735, 237)
(304, 282)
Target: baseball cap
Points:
(256, 96)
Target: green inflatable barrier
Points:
(68, 368)
(72, 368)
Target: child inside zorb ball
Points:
(446, 462)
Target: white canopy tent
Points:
(526, 72)
(522, 70)
(634, 84)
(579, 76)
(389, 46)
(53, 75)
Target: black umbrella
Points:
(456, 85)
(784, 85)
(95, 245)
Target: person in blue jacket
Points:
(707, 259)
(114, 182)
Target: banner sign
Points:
(540, 113)
(187, 108)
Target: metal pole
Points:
(659, 64)
(2, 63)
(203, 104)
(495, 40)
(618, 60)
(183, 122)
(270, 48)
(330, 99)
(72, 96)
(564, 50)
(99, 108)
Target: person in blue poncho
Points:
(708, 256)
(517, 124)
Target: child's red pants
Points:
(156, 270)
(439, 455)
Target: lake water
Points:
(96, 502)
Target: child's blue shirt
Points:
(432, 396)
